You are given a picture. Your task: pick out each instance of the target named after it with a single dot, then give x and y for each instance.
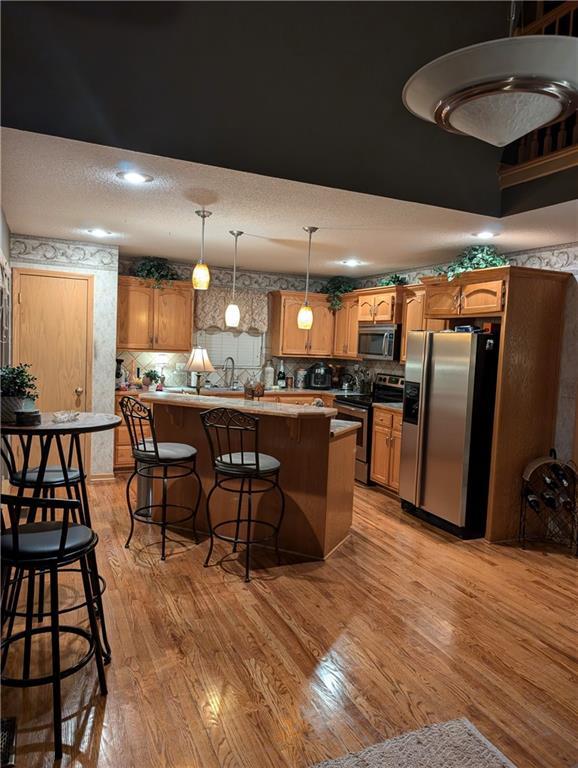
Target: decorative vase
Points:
(9, 407)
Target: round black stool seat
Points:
(246, 464)
(53, 476)
(167, 452)
(37, 541)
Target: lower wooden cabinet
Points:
(386, 448)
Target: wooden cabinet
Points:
(380, 305)
(346, 326)
(464, 298)
(287, 339)
(123, 458)
(154, 318)
(413, 316)
(386, 448)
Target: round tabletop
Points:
(86, 422)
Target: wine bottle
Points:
(559, 474)
(551, 484)
(281, 380)
(533, 502)
(550, 499)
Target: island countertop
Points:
(257, 407)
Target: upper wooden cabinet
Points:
(287, 339)
(380, 305)
(154, 318)
(346, 328)
(413, 316)
(464, 297)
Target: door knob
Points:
(78, 391)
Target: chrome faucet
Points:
(228, 373)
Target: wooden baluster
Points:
(533, 145)
(575, 130)
(561, 142)
(547, 146)
(522, 144)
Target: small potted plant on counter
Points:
(150, 379)
(18, 389)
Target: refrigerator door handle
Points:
(423, 396)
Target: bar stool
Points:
(50, 546)
(175, 460)
(234, 443)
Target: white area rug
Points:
(455, 744)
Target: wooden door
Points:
(366, 308)
(52, 330)
(412, 318)
(173, 318)
(380, 454)
(482, 298)
(294, 341)
(384, 304)
(394, 455)
(320, 341)
(442, 300)
(135, 312)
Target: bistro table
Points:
(51, 433)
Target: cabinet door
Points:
(320, 341)
(173, 318)
(482, 298)
(352, 328)
(442, 300)
(134, 328)
(383, 307)
(366, 309)
(412, 319)
(340, 333)
(294, 341)
(380, 455)
(394, 459)
(431, 324)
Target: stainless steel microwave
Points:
(379, 342)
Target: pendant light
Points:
(201, 274)
(500, 90)
(233, 313)
(305, 316)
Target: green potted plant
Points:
(155, 271)
(150, 379)
(18, 390)
(335, 287)
(475, 257)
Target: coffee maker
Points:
(319, 376)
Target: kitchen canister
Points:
(300, 377)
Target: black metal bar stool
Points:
(45, 482)
(174, 460)
(50, 546)
(234, 442)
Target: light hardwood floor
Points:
(402, 627)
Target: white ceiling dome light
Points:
(500, 90)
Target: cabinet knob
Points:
(78, 391)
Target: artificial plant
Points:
(335, 287)
(474, 257)
(152, 375)
(156, 270)
(17, 381)
(394, 279)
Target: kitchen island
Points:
(317, 455)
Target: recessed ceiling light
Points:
(134, 177)
(97, 232)
(351, 262)
(485, 234)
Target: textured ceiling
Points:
(309, 91)
(59, 188)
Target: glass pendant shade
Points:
(499, 90)
(305, 317)
(232, 316)
(201, 277)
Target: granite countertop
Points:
(341, 426)
(266, 408)
(206, 391)
(389, 406)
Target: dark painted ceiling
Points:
(299, 90)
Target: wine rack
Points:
(549, 499)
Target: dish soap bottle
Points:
(269, 375)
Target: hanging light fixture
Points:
(305, 316)
(233, 313)
(500, 90)
(201, 274)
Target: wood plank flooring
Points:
(402, 627)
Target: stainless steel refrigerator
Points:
(448, 408)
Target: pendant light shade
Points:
(500, 90)
(233, 313)
(201, 275)
(305, 315)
